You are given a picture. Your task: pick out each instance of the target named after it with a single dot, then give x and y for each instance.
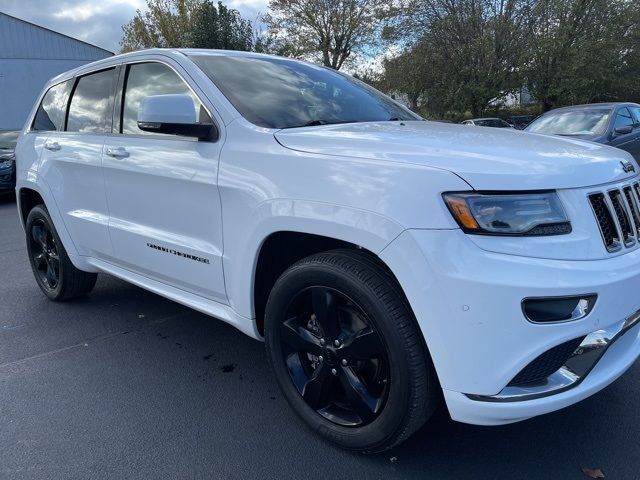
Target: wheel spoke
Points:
(39, 259)
(325, 308)
(299, 338)
(50, 275)
(362, 402)
(317, 391)
(39, 236)
(363, 345)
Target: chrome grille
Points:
(617, 212)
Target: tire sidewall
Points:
(390, 420)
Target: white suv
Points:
(388, 262)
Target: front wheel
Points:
(56, 276)
(347, 352)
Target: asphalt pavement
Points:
(127, 385)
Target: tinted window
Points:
(624, 119)
(52, 109)
(148, 79)
(636, 112)
(279, 93)
(91, 103)
(493, 122)
(587, 121)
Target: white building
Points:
(29, 56)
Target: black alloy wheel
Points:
(347, 351)
(44, 254)
(336, 360)
(55, 274)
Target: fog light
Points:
(558, 309)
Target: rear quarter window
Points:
(51, 111)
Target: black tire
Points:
(357, 290)
(56, 276)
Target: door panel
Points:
(165, 214)
(71, 160)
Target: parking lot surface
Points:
(125, 384)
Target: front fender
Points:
(369, 230)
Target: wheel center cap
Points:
(331, 356)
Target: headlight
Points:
(509, 214)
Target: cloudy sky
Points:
(97, 21)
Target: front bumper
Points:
(8, 178)
(468, 305)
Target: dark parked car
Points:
(8, 140)
(519, 122)
(487, 122)
(615, 124)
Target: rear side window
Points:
(91, 103)
(148, 79)
(52, 109)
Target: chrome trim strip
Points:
(576, 368)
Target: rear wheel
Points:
(347, 352)
(56, 276)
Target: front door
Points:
(165, 215)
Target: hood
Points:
(487, 158)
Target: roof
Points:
(22, 39)
(596, 105)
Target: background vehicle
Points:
(8, 139)
(615, 124)
(519, 122)
(487, 122)
(383, 259)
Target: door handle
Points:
(117, 152)
(53, 146)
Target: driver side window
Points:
(147, 79)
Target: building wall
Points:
(29, 56)
(21, 81)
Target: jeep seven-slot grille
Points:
(617, 212)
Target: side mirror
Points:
(172, 114)
(623, 130)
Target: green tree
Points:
(221, 27)
(334, 30)
(581, 51)
(468, 50)
(187, 24)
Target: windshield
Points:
(8, 139)
(492, 122)
(279, 93)
(572, 122)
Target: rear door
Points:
(71, 161)
(165, 215)
(627, 141)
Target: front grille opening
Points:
(605, 221)
(549, 362)
(633, 206)
(621, 214)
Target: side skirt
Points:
(201, 304)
